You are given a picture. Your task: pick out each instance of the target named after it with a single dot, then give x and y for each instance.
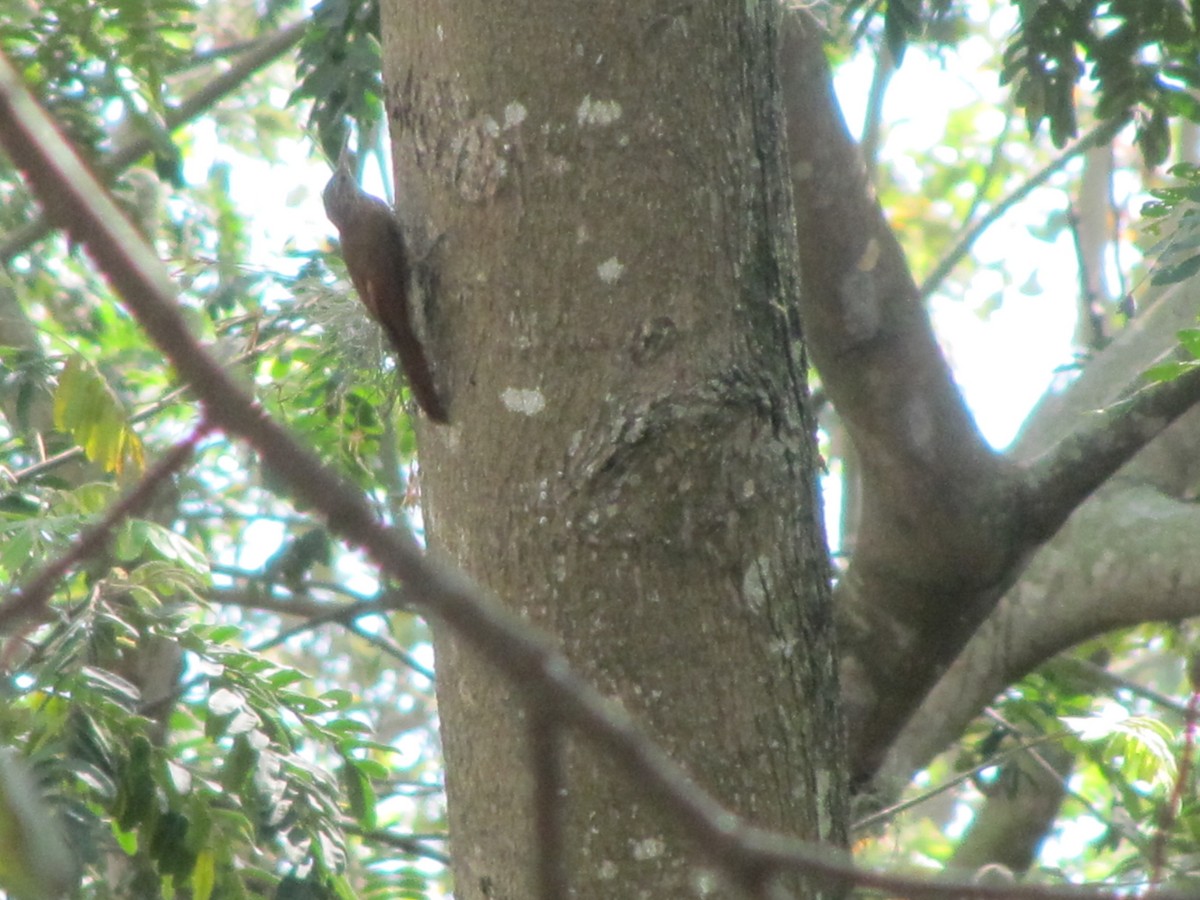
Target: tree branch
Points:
(1077, 587)
(873, 820)
(938, 536)
(410, 844)
(1163, 312)
(881, 77)
(947, 524)
(1100, 134)
(1058, 482)
(868, 335)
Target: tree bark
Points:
(630, 462)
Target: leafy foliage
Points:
(339, 70)
(195, 737)
(88, 409)
(1174, 218)
(1142, 56)
(83, 55)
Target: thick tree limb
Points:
(947, 525)
(1125, 557)
(938, 534)
(1058, 482)
(1114, 373)
(1146, 517)
(1068, 594)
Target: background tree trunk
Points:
(630, 462)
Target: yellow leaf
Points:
(89, 410)
(204, 876)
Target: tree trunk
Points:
(630, 462)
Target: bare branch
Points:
(408, 843)
(884, 815)
(1101, 676)
(885, 68)
(1068, 594)
(1170, 810)
(391, 649)
(1100, 134)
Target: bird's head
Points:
(342, 191)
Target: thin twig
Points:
(993, 167)
(32, 471)
(1094, 322)
(1045, 765)
(1105, 131)
(1089, 669)
(410, 844)
(991, 762)
(291, 604)
(1170, 810)
(391, 649)
(318, 613)
(885, 68)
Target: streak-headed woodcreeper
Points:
(377, 259)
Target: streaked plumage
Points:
(376, 257)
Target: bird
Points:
(381, 269)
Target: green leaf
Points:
(238, 764)
(224, 702)
(1140, 744)
(1176, 273)
(126, 840)
(168, 845)
(337, 699)
(204, 876)
(110, 685)
(16, 549)
(360, 796)
(1168, 371)
(130, 540)
(137, 793)
(1190, 338)
(174, 547)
